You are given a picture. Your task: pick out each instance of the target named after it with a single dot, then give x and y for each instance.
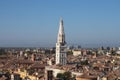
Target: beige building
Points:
(85, 77)
(58, 70)
(76, 52)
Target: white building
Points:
(57, 70)
(21, 53)
(61, 46)
(76, 52)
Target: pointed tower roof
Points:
(61, 34)
(61, 27)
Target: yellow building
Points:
(86, 77)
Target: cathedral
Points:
(61, 57)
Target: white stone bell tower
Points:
(61, 46)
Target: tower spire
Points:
(61, 34)
(61, 28)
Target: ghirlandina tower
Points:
(61, 57)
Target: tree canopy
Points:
(65, 76)
(2, 51)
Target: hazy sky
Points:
(35, 22)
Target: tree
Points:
(84, 62)
(2, 52)
(60, 75)
(65, 76)
(69, 52)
